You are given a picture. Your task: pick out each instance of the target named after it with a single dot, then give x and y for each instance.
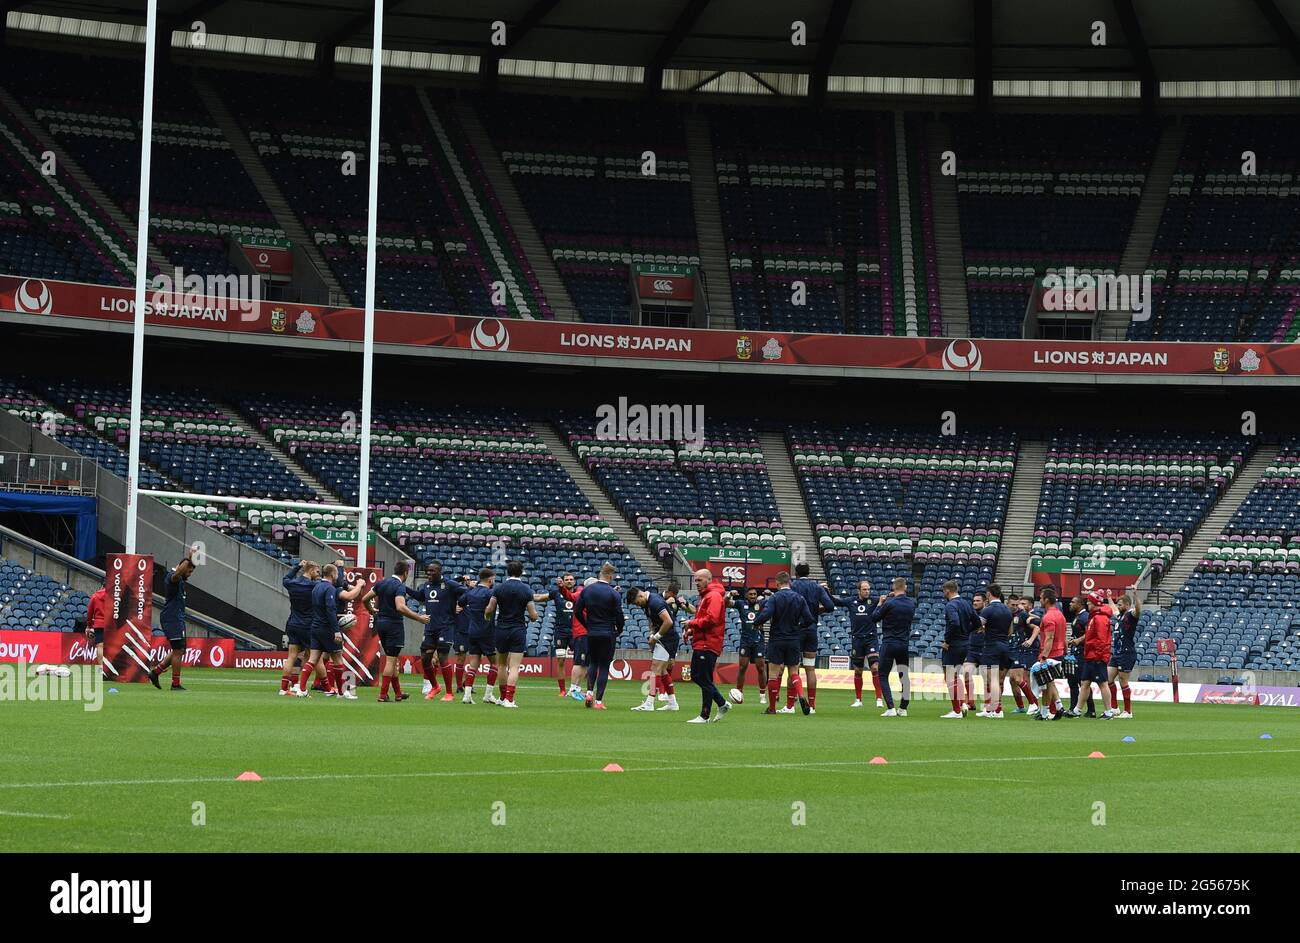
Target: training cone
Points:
(248, 776)
(878, 761)
(1266, 736)
(112, 690)
(1129, 740)
(1096, 755)
(612, 768)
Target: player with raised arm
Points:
(663, 642)
(751, 645)
(172, 620)
(819, 601)
(788, 615)
(482, 636)
(440, 597)
(958, 618)
(866, 643)
(298, 583)
(326, 634)
(562, 595)
(895, 613)
(1125, 656)
(389, 609)
(1096, 653)
(995, 657)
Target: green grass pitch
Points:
(421, 776)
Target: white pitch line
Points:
(451, 774)
(33, 815)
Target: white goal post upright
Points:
(134, 490)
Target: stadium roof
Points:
(1159, 40)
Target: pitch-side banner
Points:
(70, 648)
(128, 634)
(297, 323)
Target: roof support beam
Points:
(1285, 34)
(491, 61)
(826, 48)
(681, 28)
(1137, 46)
(983, 47)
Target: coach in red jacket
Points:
(705, 633)
(97, 622)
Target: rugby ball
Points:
(347, 621)
(737, 696)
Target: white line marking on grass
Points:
(452, 774)
(33, 815)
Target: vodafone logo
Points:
(620, 670)
(489, 334)
(662, 285)
(33, 297)
(962, 355)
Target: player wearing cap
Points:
(958, 619)
(1096, 652)
(866, 643)
(895, 613)
(751, 646)
(789, 615)
(389, 599)
(1125, 656)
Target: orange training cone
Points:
(612, 768)
(248, 776)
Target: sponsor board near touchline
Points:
(67, 648)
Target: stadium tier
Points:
(29, 600)
(1124, 496)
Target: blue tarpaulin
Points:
(79, 506)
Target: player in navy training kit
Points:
(789, 615)
(172, 620)
(440, 597)
(1024, 624)
(895, 613)
(562, 629)
(974, 649)
(958, 618)
(676, 608)
(389, 610)
(996, 654)
(1125, 657)
(511, 603)
(866, 643)
(482, 636)
(819, 601)
(298, 583)
(664, 641)
(600, 608)
(326, 635)
(751, 646)
(1078, 617)
(460, 633)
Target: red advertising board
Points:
(270, 260)
(68, 648)
(128, 633)
(508, 337)
(361, 652)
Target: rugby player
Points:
(389, 595)
(974, 649)
(298, 583)
(894, 613)
(996, 654)
(676, 607)
(663, 642)
(866, 644)
(562, 595)
(460, 635)
(751, 646)
(440, 597)
(958, 617)
(789, 615)
(511, 603)
(326, 636)
(579, 675)
(1125, 656)
(1051, 633)
(172, 620)
(482, 639)
(819, 601)
(1079, 616)
(1024, 636)
(705, 633)
(601, 610)
(1096, 653)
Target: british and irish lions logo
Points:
(33, 297)
(962, 355)
(490, 334)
